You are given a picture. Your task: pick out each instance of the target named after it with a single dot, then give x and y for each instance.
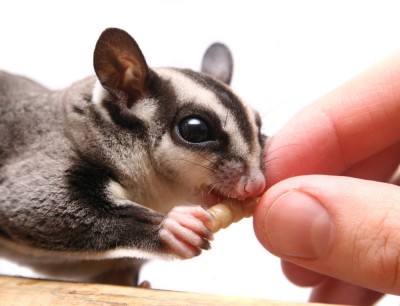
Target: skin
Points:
(332, 208)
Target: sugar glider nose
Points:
(254, 186)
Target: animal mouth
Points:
(244, 189)
(211, 196)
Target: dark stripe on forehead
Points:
(164, 92)
(228, 100)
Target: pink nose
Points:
(254, 187)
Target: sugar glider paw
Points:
(187, 230)
(145, 285)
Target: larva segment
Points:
(231, 211)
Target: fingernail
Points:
(298, 225)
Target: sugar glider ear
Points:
(120, 65)
(218, 63)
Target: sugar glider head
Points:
(200, 138)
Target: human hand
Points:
(338, 231)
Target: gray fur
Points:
(81, 178)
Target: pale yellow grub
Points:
(231, 211)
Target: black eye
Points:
(195, 130)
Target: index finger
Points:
(357, 121)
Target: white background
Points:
(287, 54)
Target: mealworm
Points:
(231, 211)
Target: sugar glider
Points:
(121, 166)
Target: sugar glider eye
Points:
(195, 130)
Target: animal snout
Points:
(254, 188)
(250, 186)
(235, 180)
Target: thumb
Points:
(342, 227)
